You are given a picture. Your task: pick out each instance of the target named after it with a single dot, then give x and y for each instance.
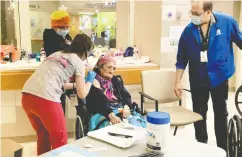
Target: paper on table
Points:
(102, 134)
(70, 154)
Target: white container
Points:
(158, 131)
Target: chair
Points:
(10, 148)
(99, 41)
(158, 86)
(112, 43)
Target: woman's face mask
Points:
(62, 32)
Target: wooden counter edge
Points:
(15, 79)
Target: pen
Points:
(119, 135)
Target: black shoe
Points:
(202, 141)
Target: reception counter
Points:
(14, 122)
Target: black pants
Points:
(200, 96)
(63, 102)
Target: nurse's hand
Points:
(178, 90)
(91, 76)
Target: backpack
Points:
(129, 52)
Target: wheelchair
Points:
(235, 128)
(83, 116)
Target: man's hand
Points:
(114, 119)
(126, 111)
(178, 90)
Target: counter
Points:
(14, 75)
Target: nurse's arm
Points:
(69, 86)
(82, 87)
(236, 35)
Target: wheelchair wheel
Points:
(239, 135)
(234, 137)
(79, 129)
(238, 100)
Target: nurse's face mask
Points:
(62, 31)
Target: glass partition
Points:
(96, 19)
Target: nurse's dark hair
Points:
(207, 4)
(81, 45)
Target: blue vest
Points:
(220, 66)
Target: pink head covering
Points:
(105, 59)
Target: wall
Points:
(38, 16)
(47, 6)
(75, 23)
(147, 16)
(122, 23)
(24, 26)
(168, 54)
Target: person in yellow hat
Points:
(57, 38)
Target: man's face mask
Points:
(62, 32)
(197, 20)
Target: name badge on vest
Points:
(203, 56)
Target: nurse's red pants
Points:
(48, 120)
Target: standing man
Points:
(206, 44)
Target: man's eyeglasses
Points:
(195, 13)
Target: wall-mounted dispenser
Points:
(178, 14)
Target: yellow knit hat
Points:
(60, 18)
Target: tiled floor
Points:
(188, 131)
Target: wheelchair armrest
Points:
(143, 95)
(120, 78)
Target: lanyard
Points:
(205, 39)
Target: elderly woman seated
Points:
(108, 100)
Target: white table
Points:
(179, 147)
